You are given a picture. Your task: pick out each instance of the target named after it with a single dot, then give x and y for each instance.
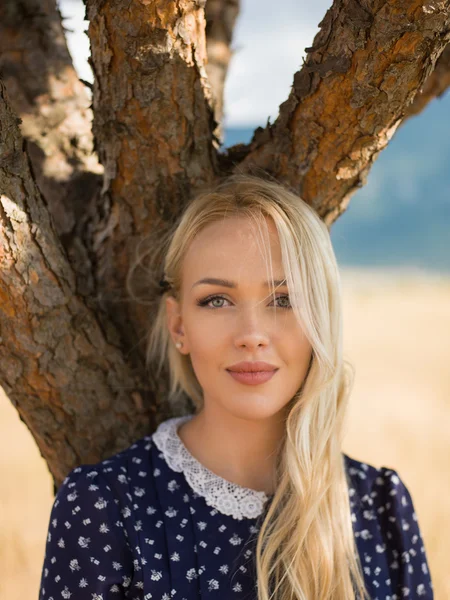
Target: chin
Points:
(253, 407)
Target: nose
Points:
(251, 332)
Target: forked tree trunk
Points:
(72, 352)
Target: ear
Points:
(175, 324)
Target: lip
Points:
(252, 366)
(252, 377)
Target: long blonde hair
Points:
(305, 547)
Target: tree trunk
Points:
(72, 353)
(71, 386)
(153, 122)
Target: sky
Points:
(268, 49)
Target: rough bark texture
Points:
(436, 84)
(361, 74)
(77, 380)
(71, 386)
(153, 126)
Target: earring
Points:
(179, 344)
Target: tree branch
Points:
(64, 374)
(435, 85)
(365, 67)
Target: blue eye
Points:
(206, 301)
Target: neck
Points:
(239, 450)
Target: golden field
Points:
(397, 336)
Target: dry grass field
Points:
(397, 335)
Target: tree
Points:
(72, 348)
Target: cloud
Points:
(269, 45)
(73, 12)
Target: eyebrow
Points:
(231, 284)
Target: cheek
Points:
(206, 331)
(297, 348)
(206, 347)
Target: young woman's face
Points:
(220, 325)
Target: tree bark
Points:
(436, 84)
(71, 386)
(153, 123)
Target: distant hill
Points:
(401, 218)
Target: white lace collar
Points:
(227, 497)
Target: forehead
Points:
(233, 246)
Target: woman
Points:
(251, 496)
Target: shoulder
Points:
(379, 494)
(112, 473)
(129, 461)
(366, 478)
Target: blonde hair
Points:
(305, 548)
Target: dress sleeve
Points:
(87, 555)
(407, 561)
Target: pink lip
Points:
(252, 378)
(255, 365)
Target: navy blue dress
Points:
(151, 522)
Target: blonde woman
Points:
(250, 496)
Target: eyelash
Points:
(205, 301)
